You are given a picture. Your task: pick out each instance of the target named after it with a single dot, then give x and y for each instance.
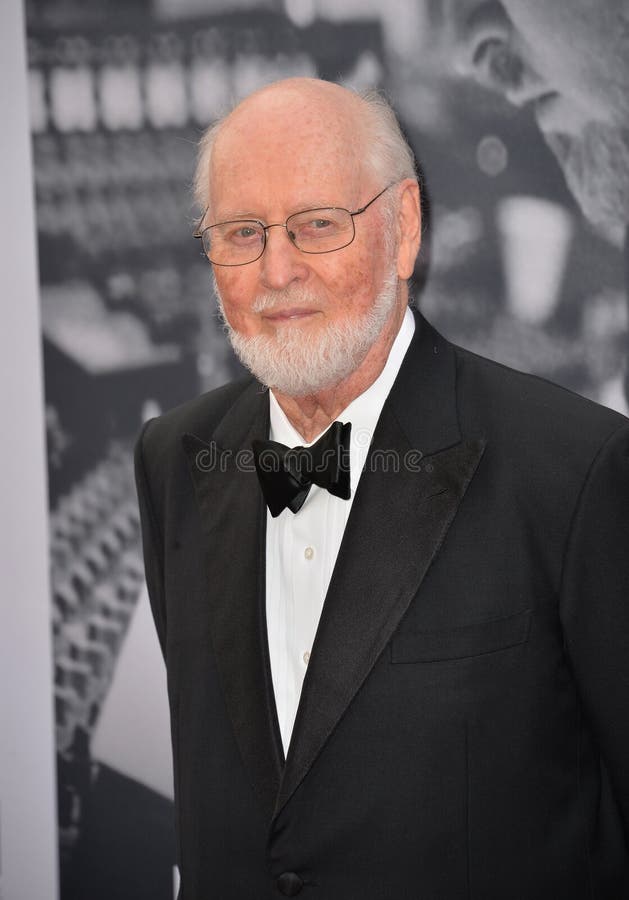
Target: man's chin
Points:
(294, 358)
(595, 164)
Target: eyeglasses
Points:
(242, 241)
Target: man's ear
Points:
(409, 223)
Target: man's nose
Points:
(281, 263)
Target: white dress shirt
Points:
(301, 548)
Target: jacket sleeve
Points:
(594, 607)
(152, 542)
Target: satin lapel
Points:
(234, 524)
(398, 521)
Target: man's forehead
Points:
(299, 149)
(281, 190)
(299, 153)
(284, 135)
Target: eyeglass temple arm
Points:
(198, 232)
(357, 212)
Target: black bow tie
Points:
(286, 475)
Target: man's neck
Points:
(310, 416)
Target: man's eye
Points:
(315, 228)
(243, 234)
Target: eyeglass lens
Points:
(311, 231)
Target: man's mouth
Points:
(288, 313)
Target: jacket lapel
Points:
(233, 519)
(398, 521)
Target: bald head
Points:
(319, 119)
(302, 103)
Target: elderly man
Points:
(390, 579)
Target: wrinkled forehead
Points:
(288, 147)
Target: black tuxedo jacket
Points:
(463, 726)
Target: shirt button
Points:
(309, 552)
(306, 657)
(289, 884)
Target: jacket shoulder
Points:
(161, 436)
(529, 408)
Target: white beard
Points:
(299, 364)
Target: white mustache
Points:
(284, 299)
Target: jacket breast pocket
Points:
(463, 641)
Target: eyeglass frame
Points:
(199, 232)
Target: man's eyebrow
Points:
(318, 204)
(237, 217)
(254, 217)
